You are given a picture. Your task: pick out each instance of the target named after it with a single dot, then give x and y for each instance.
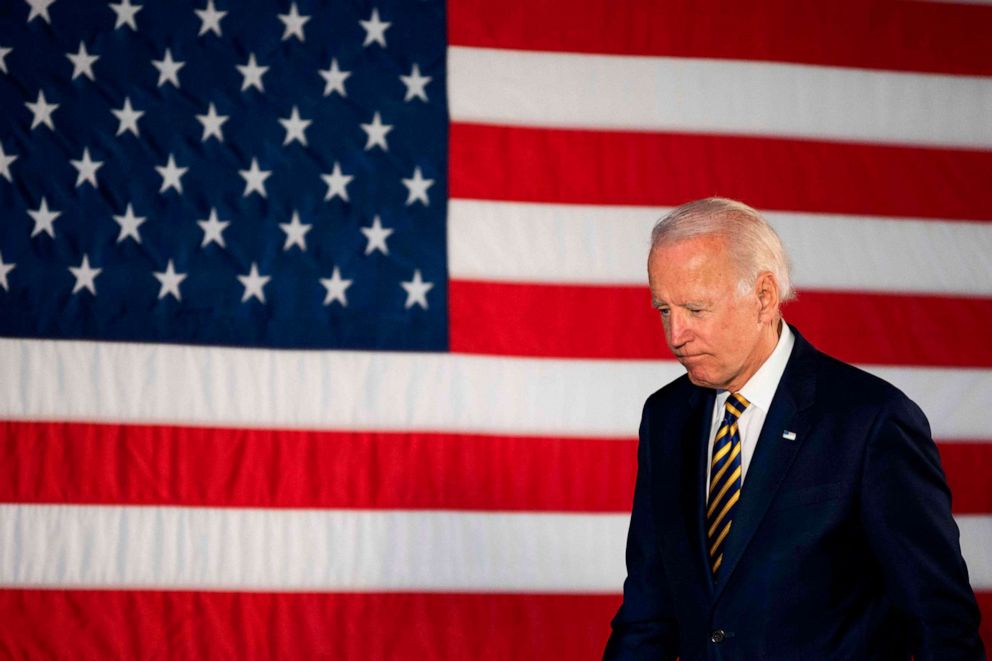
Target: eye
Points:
(664, 312)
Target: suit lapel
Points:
(694, 459)
(773, 454)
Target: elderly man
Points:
(787, 505)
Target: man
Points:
(787, 505)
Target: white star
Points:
(39, 8)
(376, 236)
(82, 62)
(294, 23)
(210, 19)
(415, 84)
(334, 78)
(254, 179)
(375, 30)
(85, 276)
(212, 123)
(337, 183)
(170, 281)
(376, 132)
(253, 283)
(129, 225)
(8, 267)
(296, 232)
(128, 117)
(170, 174)
(252, 73)
(336, 288)
(168, 69)
(417, 188)
(416, 291)
(4, 52)
(86, 167)
(295, 127)
(42, 110)
(213, 229)
(125, 13)
(5, 162)
(43, 219)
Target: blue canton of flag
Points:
(255, 174)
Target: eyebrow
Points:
(655, 303)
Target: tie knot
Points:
(736, 404)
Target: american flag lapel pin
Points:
(789, 435)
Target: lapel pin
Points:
(789, 435)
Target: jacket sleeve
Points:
(906, 513)
(645, 626)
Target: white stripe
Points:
(286, 550)
(976, 547)
(563, 243)
(177, 384)
(171, 384)
(720, 96)
(557, 243)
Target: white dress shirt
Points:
(759, 390)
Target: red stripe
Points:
(144, 465)
(118, 624)
(902, 36)
(588, 321)
(661, 169)
(985, 628)
(89, 624)
(968, 467)
(58, 462)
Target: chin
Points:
(699, 379)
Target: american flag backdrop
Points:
(325, 329)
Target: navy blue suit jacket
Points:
(842, 546)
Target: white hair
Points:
(753, 244)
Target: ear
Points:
(768, 297)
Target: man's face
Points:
(713, 329)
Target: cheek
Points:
(665, 327)
(725, 338)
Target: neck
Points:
(762, 350)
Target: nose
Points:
(679, 329)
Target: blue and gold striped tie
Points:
(725, 480)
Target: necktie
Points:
(725, 480)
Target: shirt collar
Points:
(761, 387)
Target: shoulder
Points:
(674, 406)
(674, 394)
(841, 386)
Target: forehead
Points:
(691, 267)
